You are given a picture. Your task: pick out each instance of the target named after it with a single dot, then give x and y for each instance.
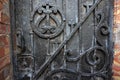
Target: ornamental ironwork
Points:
(62, 39)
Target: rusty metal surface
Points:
(61, 39)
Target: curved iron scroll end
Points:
(58, 74)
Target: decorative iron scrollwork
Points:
(70, 53)
(93, 62)
(24, 58)
(102, 28)
(20, 41)
(64, 57)
(48, 21)
(25, 66)
(87, 6)
(98, 57)
(61, 74)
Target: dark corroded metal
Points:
(61, 39)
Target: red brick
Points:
(2, 29)
(4, 40)
(5, 73)
(7, 50)
(2, 52)
(4, 19)
(4, 62)
(116, 64)
(2, 76)
(1, 6)
(8, 29)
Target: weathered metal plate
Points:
(61, 39)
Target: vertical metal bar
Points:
(94, 38)
(110, 40)
(32, 53)
(12, 31)
(65, 46)
(80, 38)
(48, 48)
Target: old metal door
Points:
(61, 39)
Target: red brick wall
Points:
(116, 65)
(4, 41)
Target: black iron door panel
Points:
(61, 39)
